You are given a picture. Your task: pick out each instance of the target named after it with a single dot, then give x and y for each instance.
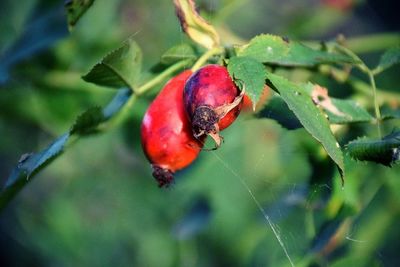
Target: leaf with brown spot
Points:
(313, 120)
(339, 111)
(320, 97)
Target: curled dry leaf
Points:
(221, 112)
(197, 28)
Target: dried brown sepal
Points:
(163, 176)
(205, 119)
(224, 109)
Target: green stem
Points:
(161, 77)
(376, 105)
(345, 50)
(122, 114)
(120, 117)
(364, 68)
(377, 70)
(342, 76)
(203, 59)
(309, 222)
(373, 42)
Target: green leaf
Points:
(87, 122)
(350, 112)
(178, 53)
(75, 10)
(334, 228)
(389, 113)
(273, 49)
(251, 72)
(28, 165)
(312, 118)
(31, 163)
(385, 151)
(120, 68)
(388, 59)
(278, 110)
(339, 111)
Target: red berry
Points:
(212, 101)
(166, 133)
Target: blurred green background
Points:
(97, 205)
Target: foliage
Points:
(86, 123)
(76, 9)
(325, 184)
(251, 73)
(384, 151)
(309, 115)
(278, 50)
(119, 68)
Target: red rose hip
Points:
(212, 101)
(166, 133)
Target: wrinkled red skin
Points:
(166, 133)
(211, 86)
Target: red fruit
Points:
(212, 101)
(166, 133)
